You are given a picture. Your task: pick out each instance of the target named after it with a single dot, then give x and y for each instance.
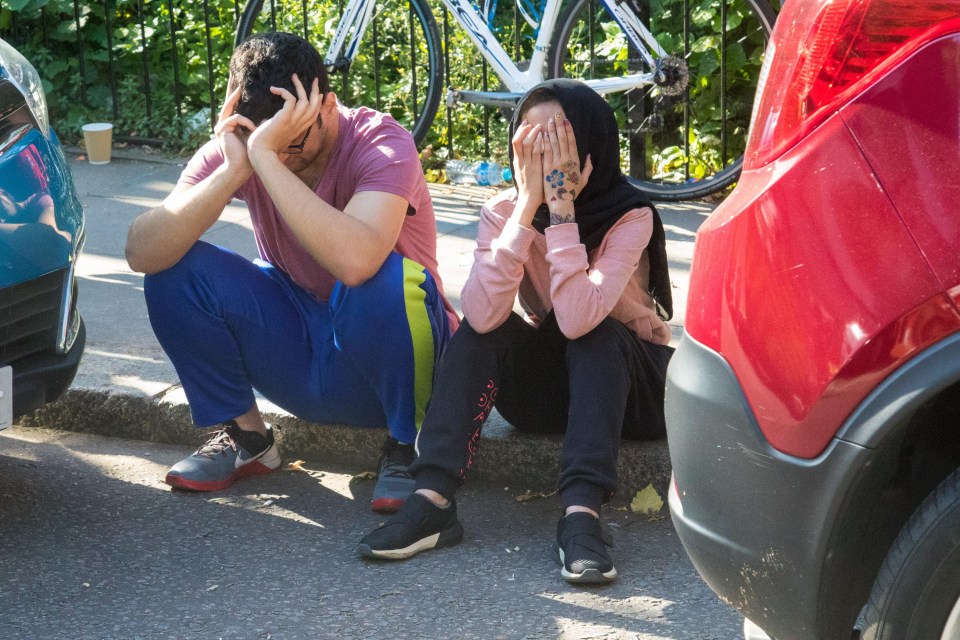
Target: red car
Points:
(813, 405)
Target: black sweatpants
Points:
(596, 389)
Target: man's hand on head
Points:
(298, 113)
(231, 131)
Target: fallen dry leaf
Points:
(531, 495)
(647, 501)
(296, 466)
(366, 475)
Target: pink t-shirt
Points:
(372, 153)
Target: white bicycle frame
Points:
(358, 13)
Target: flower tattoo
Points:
(556, 179)
(570, 167)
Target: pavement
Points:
(94, 546)
(126, 386)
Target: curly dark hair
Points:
(268, 60)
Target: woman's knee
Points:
(608, 341)
(467, 339)
(508, 333)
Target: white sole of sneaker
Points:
(423, 544)
(588, 576)
(446, 538)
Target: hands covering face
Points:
(547, 167)
(231, 132)
(238, 136)
(294, 117)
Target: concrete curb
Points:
(518, 460)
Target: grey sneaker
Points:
(394, 482)
(228, 455)
(581, 548)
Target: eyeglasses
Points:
(294, 149)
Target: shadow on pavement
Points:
(93, 545)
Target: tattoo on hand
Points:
(555, 179)
(561, 218)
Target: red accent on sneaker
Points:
(386, 505)
(255, 468)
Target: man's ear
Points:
(329, 103)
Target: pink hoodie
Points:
(553, 272)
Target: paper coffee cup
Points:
(98, 136)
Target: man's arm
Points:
(351, 244)
(158, 238)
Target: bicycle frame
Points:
(358, 13)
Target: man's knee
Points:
(171, 280)
(402, 291)
(390, 279)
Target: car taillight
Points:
(821, 51)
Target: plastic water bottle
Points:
(493, 174)
(460, 172)
(482, 173)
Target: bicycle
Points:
(685, 113)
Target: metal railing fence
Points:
(158, 70)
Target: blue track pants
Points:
(365, 358)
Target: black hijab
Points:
(608, 195)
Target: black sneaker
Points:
(582, 549)
(420, 525)
(394, 482)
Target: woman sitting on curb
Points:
(584, 251)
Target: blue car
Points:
(41, 235)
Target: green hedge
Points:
(155, 90)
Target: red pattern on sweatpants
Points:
(484, 407)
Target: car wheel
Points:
(917, 593)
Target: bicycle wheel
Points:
(398, 68)
(690, 144)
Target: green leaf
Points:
(703, 15)
(54, 67)
(734, 18)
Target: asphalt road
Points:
(94, 545)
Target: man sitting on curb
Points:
(343, 318)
